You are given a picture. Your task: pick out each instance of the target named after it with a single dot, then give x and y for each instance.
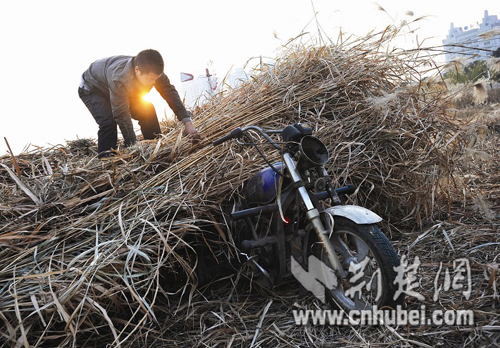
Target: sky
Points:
(46, 45)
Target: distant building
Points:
(236, 78)
(473, 37)
(195, 90)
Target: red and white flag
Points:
(186, 77)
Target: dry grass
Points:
(482, 93)
(104, 252)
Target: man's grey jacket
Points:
(114, 77)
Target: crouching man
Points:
(113, 89)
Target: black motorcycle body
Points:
(288, 220)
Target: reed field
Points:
(98, 253)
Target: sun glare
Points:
(158, 102)
(147, 97)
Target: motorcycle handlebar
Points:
(238, 132)
(345, 190)
(221, 140)
(235, 133)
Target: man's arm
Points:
(121, 112)
(169, 93)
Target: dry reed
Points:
(104, 252)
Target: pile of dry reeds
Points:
(95, 252)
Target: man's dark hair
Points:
(149, 61)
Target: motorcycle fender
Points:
(359, 215)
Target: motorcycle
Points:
(288, 219)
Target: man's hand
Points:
(190, 130)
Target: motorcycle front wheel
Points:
(369, 262)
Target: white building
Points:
(194, 90)
(473, 40)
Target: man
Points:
(113, 89)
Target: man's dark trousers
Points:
(100, 107)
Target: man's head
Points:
(148, 67)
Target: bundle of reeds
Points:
(94, 251)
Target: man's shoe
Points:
(106, 154)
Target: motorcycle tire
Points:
(370, 281)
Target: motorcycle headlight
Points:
(312, 153)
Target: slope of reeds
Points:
(105, 252)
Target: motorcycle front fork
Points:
(313, 216)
